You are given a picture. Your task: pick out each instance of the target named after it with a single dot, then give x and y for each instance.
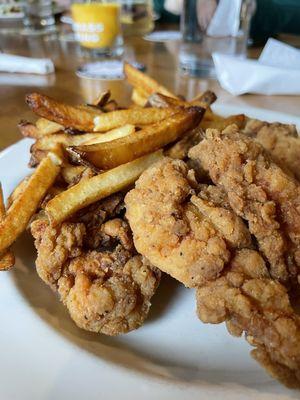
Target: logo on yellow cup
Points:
(96, 25)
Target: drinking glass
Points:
(97, 26)
(38, 16)
(209, 26)
(137, 17)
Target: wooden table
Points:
(161, 61)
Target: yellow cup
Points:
(96, 24)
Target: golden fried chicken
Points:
(167, 229)
(178, 231)
(93, 265)
(259, 191)
(280, 140)
(241, 291)
(252, 303)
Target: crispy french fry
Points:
(51, 141)
(26, 204)
(96, 188)
(18, 190)
(89, 107)
(102, 99)
(63, 114)
(138, 98)
(36, 156)
(215, 121)
(116, 133)
(28, 129)
(2, 204)
(42, 128)
(151, 138)
(143, 82)
(46, 127)
(111, 105)
(205, 99)
(72, 172)
(180, 149)
(7, 258)
(134, 116)
(161, 101)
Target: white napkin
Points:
(277, 71)
(12, 63)
(225, 21)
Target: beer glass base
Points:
(105, 69)
(198, 70)
(197, 67)
(115, 51)
(38, 30)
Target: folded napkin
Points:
(277, 71)
(12, 63)
(226, 18)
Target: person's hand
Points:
(205, 12)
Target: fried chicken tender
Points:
(252, 303)
(104, 284)
(179, 236)
(259, 191)
(242, 292)
(280, 140)
(180, 149)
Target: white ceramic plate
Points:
(43, 355)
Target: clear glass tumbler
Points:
(137, 17)
(38, 16)
(97, 26)
(209, 26)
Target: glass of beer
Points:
(97, 26)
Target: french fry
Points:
(96, 188)
(180, 149)
(205, 99)
(134, 116)
(89, 107)
(138, 98)
(72, 172)
(161, 101)
(117, 133)
(26, 204)
(215, 121)
(18, 190)
(111, 105)
(61, 113)
(36, 156)
(151, 138)
(143, 82)
(46, 127)
(41, 128)
(102, 99)
(28, 129)
(7, 258)
(51, 141)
